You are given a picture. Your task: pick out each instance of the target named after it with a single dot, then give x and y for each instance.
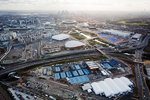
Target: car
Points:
(27, 97)
(2, 68)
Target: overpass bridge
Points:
(6, 53)
(53, 59)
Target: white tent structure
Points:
(112, 87)
(126, 81)
(121, 84)
(96, 88)
(108, 92)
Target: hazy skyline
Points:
(47, 5)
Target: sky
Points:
(75, 5)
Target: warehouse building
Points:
(92, 65)
(136, 36)
(116, 32)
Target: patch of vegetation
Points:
(138, 23)
(89, 33)
(92, 42)
(77, 36)
(101, 57)
(104, 41)
(18, 57)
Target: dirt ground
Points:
(4, 94)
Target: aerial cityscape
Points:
(74, 50)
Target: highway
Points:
(53, 59)
(141, 83)
(6, 53)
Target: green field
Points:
(92, 42)
(134, 23)
(89, 33)
(77, 36)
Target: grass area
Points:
(89, 33)
(97, 59)
(134, 23)
(92, 42)
(77, 36)
(105, 41)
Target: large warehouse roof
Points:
(117, 32)
(60, 37)
(111, 87)
(73, 44)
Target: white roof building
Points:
(86, 86)
(136, 36)
(115, 88)
(108, 92)
(60, 37)
(126, 81)
(96, 88)
(92, 65)
(112, 87)
(124, 87)
(74, 44)
(117, 32)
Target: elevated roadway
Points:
(6, 53)
(53, 59)
(143, 90)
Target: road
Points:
(6, 53)
(140, 78)
(54, 59)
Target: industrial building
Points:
(74, 44)
(136, 36)
(87, 87)
(117, 32)
(112, 87)
(60, 37)
(92, 65)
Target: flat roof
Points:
(92, 65)
(117, 32)
(137, 36)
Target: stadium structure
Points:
(73, 44)
(60, 37)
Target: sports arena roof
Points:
(68, 21)
(111, 87)
(60, 37)
(74, 44)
